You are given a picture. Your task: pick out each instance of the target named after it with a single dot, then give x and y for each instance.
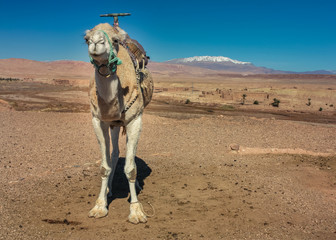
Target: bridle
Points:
(113, 60)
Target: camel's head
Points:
(101, 43)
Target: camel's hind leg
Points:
(115, 155)
(133, 131)
(102, 133)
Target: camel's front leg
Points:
(115, 155)
(102, 133)
(133, 130)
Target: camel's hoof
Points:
(98, 211)
(137, 215)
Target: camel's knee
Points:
(105, 172)
(131, 173)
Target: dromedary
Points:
(121, 89)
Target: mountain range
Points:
(221, 63)
(193, 66)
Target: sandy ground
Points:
(209, 173)
(280, 184)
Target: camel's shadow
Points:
(120, 187)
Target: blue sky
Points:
(285, 35)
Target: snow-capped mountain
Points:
(222, 64)
(218, 59)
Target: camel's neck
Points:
(107, 87)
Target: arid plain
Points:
(216, 159)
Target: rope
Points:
(142, 209)
(124, 44)
(130, 104)
(137, 73)
(112, 58)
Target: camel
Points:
(118, 94)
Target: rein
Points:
(113, 60)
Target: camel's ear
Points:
(87, 32)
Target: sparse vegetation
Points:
(256, 102)
(309, 102)
(321, 109)
(187, 101)
(14, 104)
(9, 79)
(275, 102)
(244, 98)
(227, 107)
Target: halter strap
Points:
(113, 60)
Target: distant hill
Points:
(67, 69)
(179, 69)
(24, 68)
(319, 72)
(79, 70)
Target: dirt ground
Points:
(209, 174)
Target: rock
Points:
(234, 147)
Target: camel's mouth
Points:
(96, 54)
(97, 51)
(99, 56)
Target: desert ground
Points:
(211, 164)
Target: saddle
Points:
(138, 51)
(146, 85)
(140, 61)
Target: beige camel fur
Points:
(111, 93)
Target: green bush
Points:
(275, 102)
(243, 100)
(256, 102)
